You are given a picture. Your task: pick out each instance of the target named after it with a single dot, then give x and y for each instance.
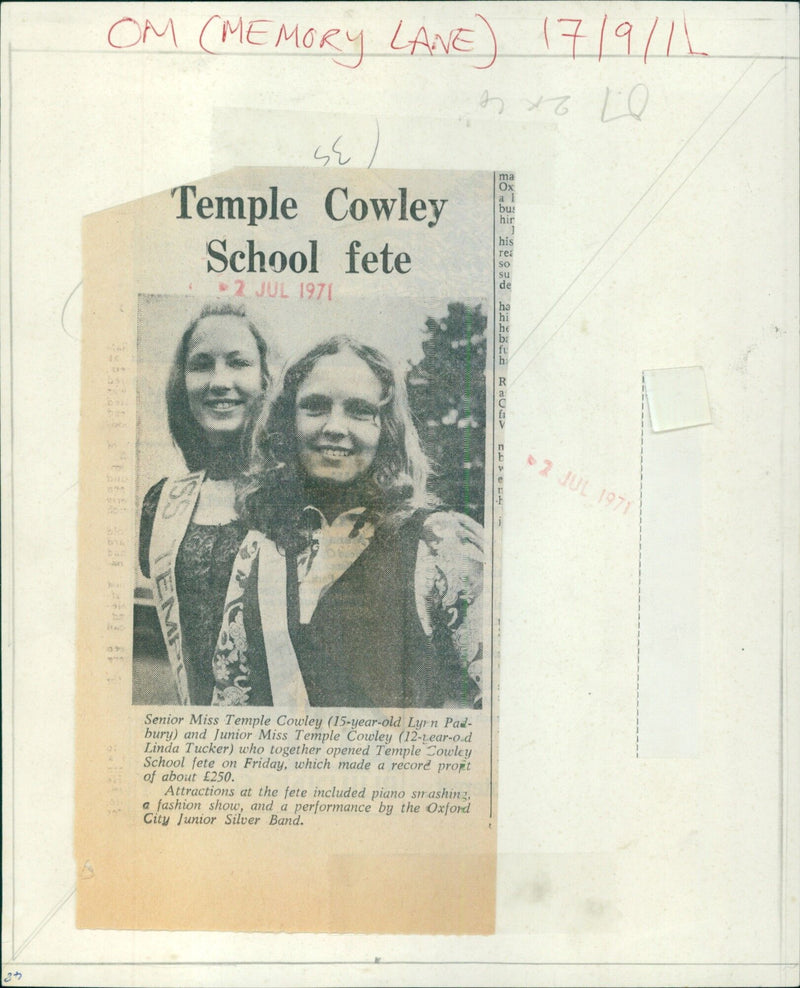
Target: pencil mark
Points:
(639, 585)
(652, 219)
(507, 56)
(335, 149)
(560, 110)
(326, 158)
(64, 312)
(624, 219)
(62, 902)
(485, 99)
(377, 142)
(631, 111)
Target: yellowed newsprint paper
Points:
(291, 478)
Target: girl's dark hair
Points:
(395, 484)
(186, 432)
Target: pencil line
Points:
(639, 594)
(787, 622)
(624, 219)
(64, 312)
(647, 225)
(467, 57)
(63, 901)
(10, 577)
(370, 961)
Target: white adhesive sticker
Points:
(677, 398)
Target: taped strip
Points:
(677, 398)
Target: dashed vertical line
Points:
(639, 594)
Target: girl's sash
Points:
(232, 661)
(175, 507)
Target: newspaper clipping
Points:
(293, 404)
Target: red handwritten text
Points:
(573, 36)
(219, 34)
(346, 46)
(127, 32)
(454, 40)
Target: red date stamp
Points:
(308, 290)
(572, 481)
(316, 290)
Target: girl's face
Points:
(338, 419)
(223, 376)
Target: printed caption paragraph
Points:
(229, 769)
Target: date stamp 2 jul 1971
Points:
(572, 481)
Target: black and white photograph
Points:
(313, 530)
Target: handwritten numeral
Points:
(327, 157)
(486, 99)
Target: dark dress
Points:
(202, 571)
(364, 645)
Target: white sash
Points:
(231, 657)
(286, 680)
(175, 506)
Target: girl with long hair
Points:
(190, 530)
(377, 597)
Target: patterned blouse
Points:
(202, 570)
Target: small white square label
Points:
(677, 398)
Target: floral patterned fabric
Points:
(233, 684)
(202, 570)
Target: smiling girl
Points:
(365, 593)
(190, 531)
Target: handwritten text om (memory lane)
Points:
(473, 39)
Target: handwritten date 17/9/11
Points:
(571, 481)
